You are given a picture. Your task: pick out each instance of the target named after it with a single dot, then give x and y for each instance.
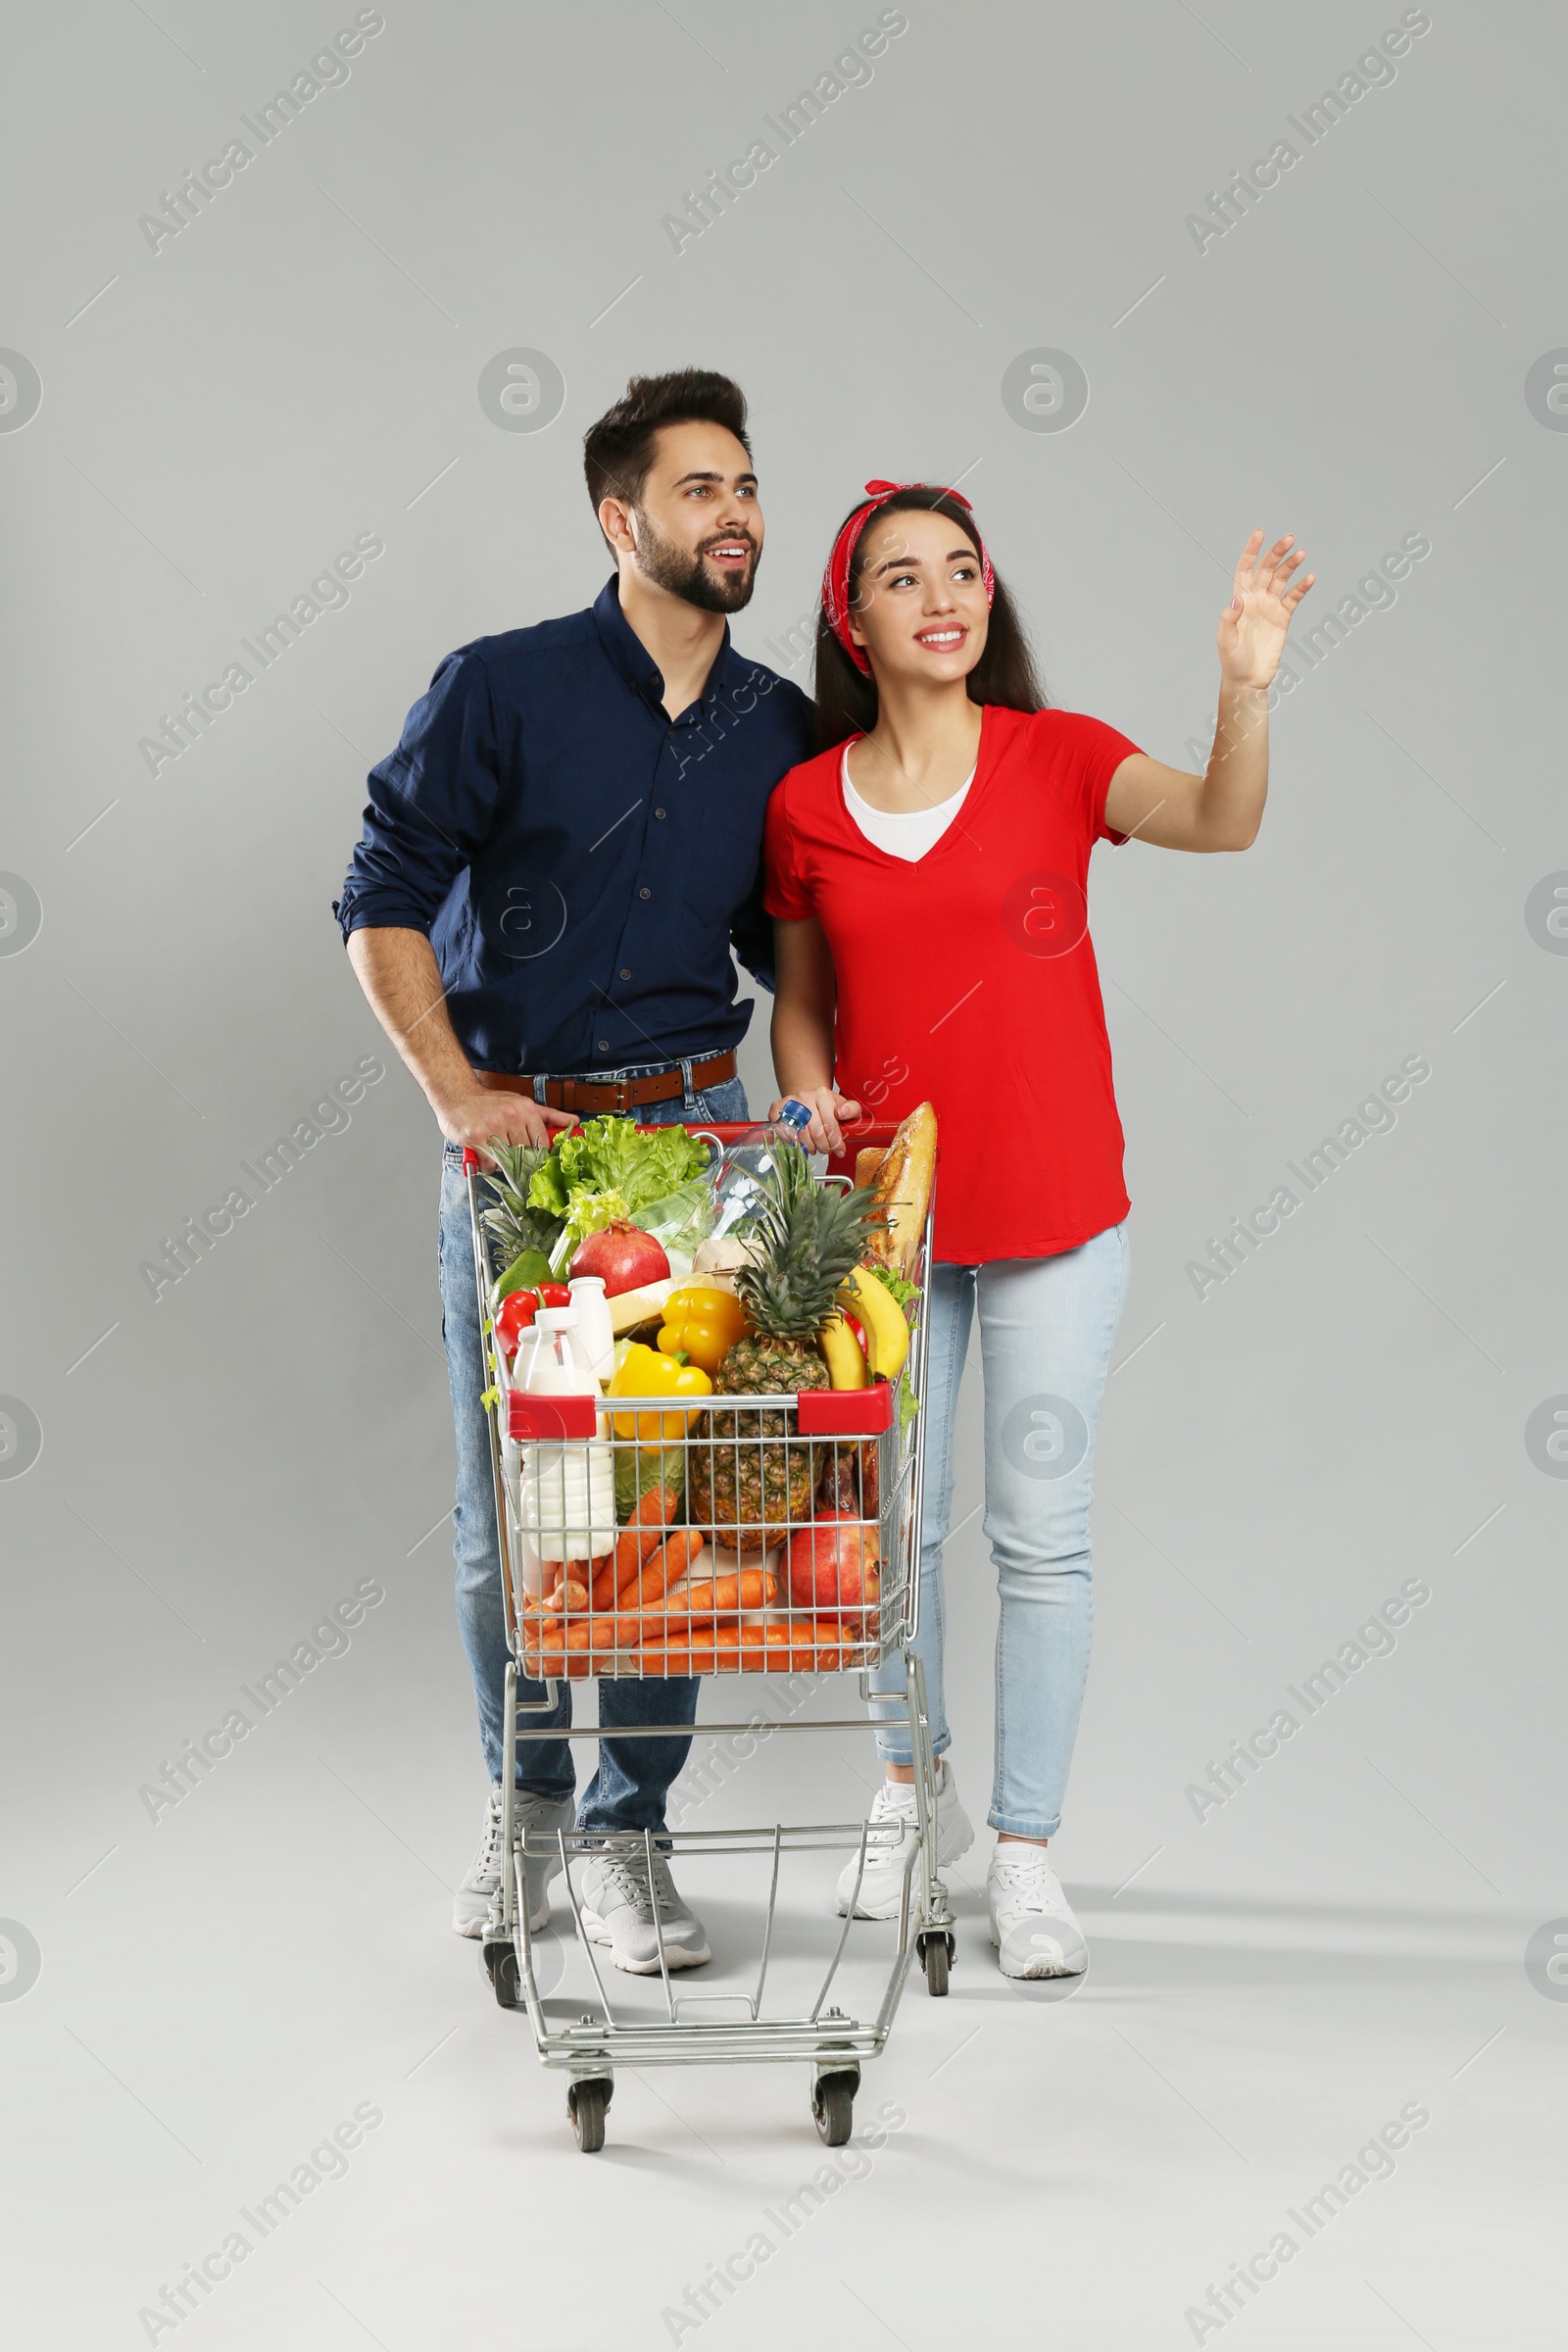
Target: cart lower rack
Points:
(755, 1475)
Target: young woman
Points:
(926, 873)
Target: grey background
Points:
(301, 364)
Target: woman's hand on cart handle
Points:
(472, 1119)
(827, 1107)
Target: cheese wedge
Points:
(630, 1308)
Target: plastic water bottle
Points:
(739, 1188)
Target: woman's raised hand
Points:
(1252, 628)
(827, 1107)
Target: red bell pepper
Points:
(517, 1312)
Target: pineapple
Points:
(807, 1240)
(510, 1224)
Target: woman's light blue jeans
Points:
(1047, 1328)
(629, 1787)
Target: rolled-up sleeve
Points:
(431, 808)
(751, 934)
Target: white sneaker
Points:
(882, 1883)
(470, 1905)
(620, 1908)
(1032, 1924)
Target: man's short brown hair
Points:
(618, 451)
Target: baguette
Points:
(901, 1192)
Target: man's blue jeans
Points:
(1047, 1325)
(628, 1790)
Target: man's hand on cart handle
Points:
(472, 1119)
(827, 1107)
(398, 971)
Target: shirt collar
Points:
(636, 663)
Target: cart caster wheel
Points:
(501, 1966)
(833, 2105)
(936, 1956)
(586, 2102)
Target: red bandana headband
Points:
(836, 578)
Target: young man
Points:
(556, 862)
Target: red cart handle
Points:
(533, 1416)
(859, 1135)
(859, 1132)
(821, 1414)
(845, 1412)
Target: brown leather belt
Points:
(592, 1097)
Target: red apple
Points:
(834, 1564)
(626, 1258)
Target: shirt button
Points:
(658, 813)
(645, 892)
(625, 971)
(604, 1045)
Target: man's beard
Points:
(686, 577)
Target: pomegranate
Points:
(834, 1564)
(626, 1258)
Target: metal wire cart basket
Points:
(722, 1487)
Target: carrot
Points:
(669, 1665)
(816, 1645)
(646, 1585)
(639, 1538)
(748, 1589)
(555, 1666)
(679, 1555)
(671, 1561)
(699, 1606)
(602, 1592)
(670, 1620)
(565, 1597)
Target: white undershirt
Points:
(903, 832)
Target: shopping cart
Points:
(751, 1472)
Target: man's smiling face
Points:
(698, 526)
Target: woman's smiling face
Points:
(920, 608)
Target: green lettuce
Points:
(905, 1292)
(606, 1172)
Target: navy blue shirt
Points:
(580, 862)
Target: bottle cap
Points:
(555, 1318)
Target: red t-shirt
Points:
(967, 979)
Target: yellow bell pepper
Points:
(644, 1372)
(701, 1324)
